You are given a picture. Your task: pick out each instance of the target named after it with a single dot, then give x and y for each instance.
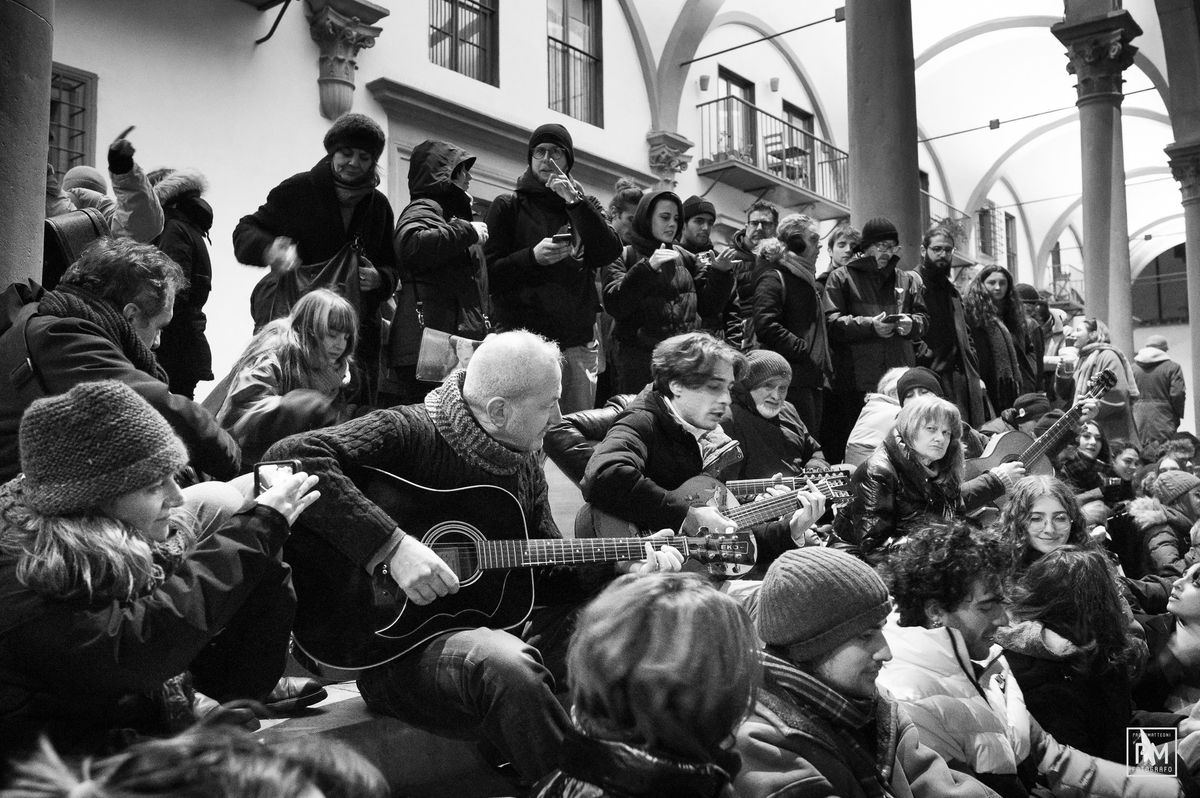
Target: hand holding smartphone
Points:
(561, 238)
(893, 318)
(268, 473)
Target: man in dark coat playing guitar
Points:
(482, 428)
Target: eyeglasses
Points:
(1059, 520)
(885, 246)
(759, 223)
(544, 151)
(941, 250)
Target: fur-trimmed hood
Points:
(1147, 511)
(178, 184)
(1033, 639)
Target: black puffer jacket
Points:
(439, 265)
(892, 497)
(1150, 539)
(559, 301)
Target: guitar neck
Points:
(818, 478)
(506, 554)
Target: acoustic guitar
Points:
(1017, 446)
(349, 620)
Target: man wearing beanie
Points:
(820, 725)
(96, 636)
(875, 313)
(542, 284)
(1159, 409)
(312, 216)
(946, 346)
(699, 216)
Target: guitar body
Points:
(1005, 448)
(344, 621)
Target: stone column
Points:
(26, 44)
(668, 157)
(1099, 52)
(1120, 298)
(1185, 166)
(882, 105)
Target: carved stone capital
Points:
(1099, 51)
(1185, 167)
(668, 155)
(341, 28)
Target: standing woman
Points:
(1096, 353)
(310, 216)
(996, 320)
(652, 291)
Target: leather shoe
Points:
(211, 711)
(293, 693)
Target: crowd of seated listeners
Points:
(930, 556)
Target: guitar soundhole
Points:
(458, 545)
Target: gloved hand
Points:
(120, 157)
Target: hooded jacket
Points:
(854, 295)
(439, 263)
(789, 316)
(559, 300)
(1152, 540)
(1160, 407)
(650, 305)
(184, 351)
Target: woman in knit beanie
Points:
(820, 725)
(113, 581)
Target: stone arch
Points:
(694, 19)
(645, 56)
(936, 160)
(1148, 251)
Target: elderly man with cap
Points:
(546, 242)
(821, 726)
(875, 313)
(1159, 379)
(311, 216)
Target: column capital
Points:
(668, 155)
(1099, 51)
(1185, 167)
(341, 28)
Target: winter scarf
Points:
(1085, 370)
(73, 302)
(847, 721)
(448, 410)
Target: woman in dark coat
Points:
(996, 320)
(439, 252)
(183, 350)
(310, 216)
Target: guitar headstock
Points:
(1101, 383)
(730, 554)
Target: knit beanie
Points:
(1030, 406)
(1027, 293)
(355, 130)
(762, 365)
(919, 377)
(694, 206)
(1170, 485)
(88, 177)
(1047, 421)
(96, 442)
(878, 229)
(553, 133)
(817, 598)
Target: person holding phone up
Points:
(875, 313)
(540, 280)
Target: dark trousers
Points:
(841, 412)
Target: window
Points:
(1159, 295)
(987, 235)
(737, 134)
(1010, 242)
(463, 37)
(575, 59)
(799, 137)
(72, 118)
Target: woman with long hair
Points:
(294, 375)
(120, 594)
(1041, 516)
(914, 477)
(1095, 354)
(996, 321)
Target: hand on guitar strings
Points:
(1009, 473)
(421, 574)
(1087, 410)
(291, 495)
(707, 517)
(666, 559)
(803, 521)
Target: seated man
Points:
(820, 725)
(483, 426)
(102, 322)
(672, 432)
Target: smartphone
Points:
(561, 238)
(893, 319)
(268, 473)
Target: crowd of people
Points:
(970, 523)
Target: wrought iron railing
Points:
(733, 129)
(575, 83)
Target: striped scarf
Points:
(806, 702)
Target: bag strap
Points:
(16, 362)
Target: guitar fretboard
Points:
(1099, 385)
(495, 554)
(825, 481)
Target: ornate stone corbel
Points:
(1185, 167)
(1099, 52)
(668, 155)
(341, 28)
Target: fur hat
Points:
(92, 444)
(878, 229)
(762, 365)
(553, 133)
(918, 377)
(818, 598)
(358, 131)
(694, 206)
(1170, 485)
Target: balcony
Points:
(762, 154)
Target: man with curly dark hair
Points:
(956, 684)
